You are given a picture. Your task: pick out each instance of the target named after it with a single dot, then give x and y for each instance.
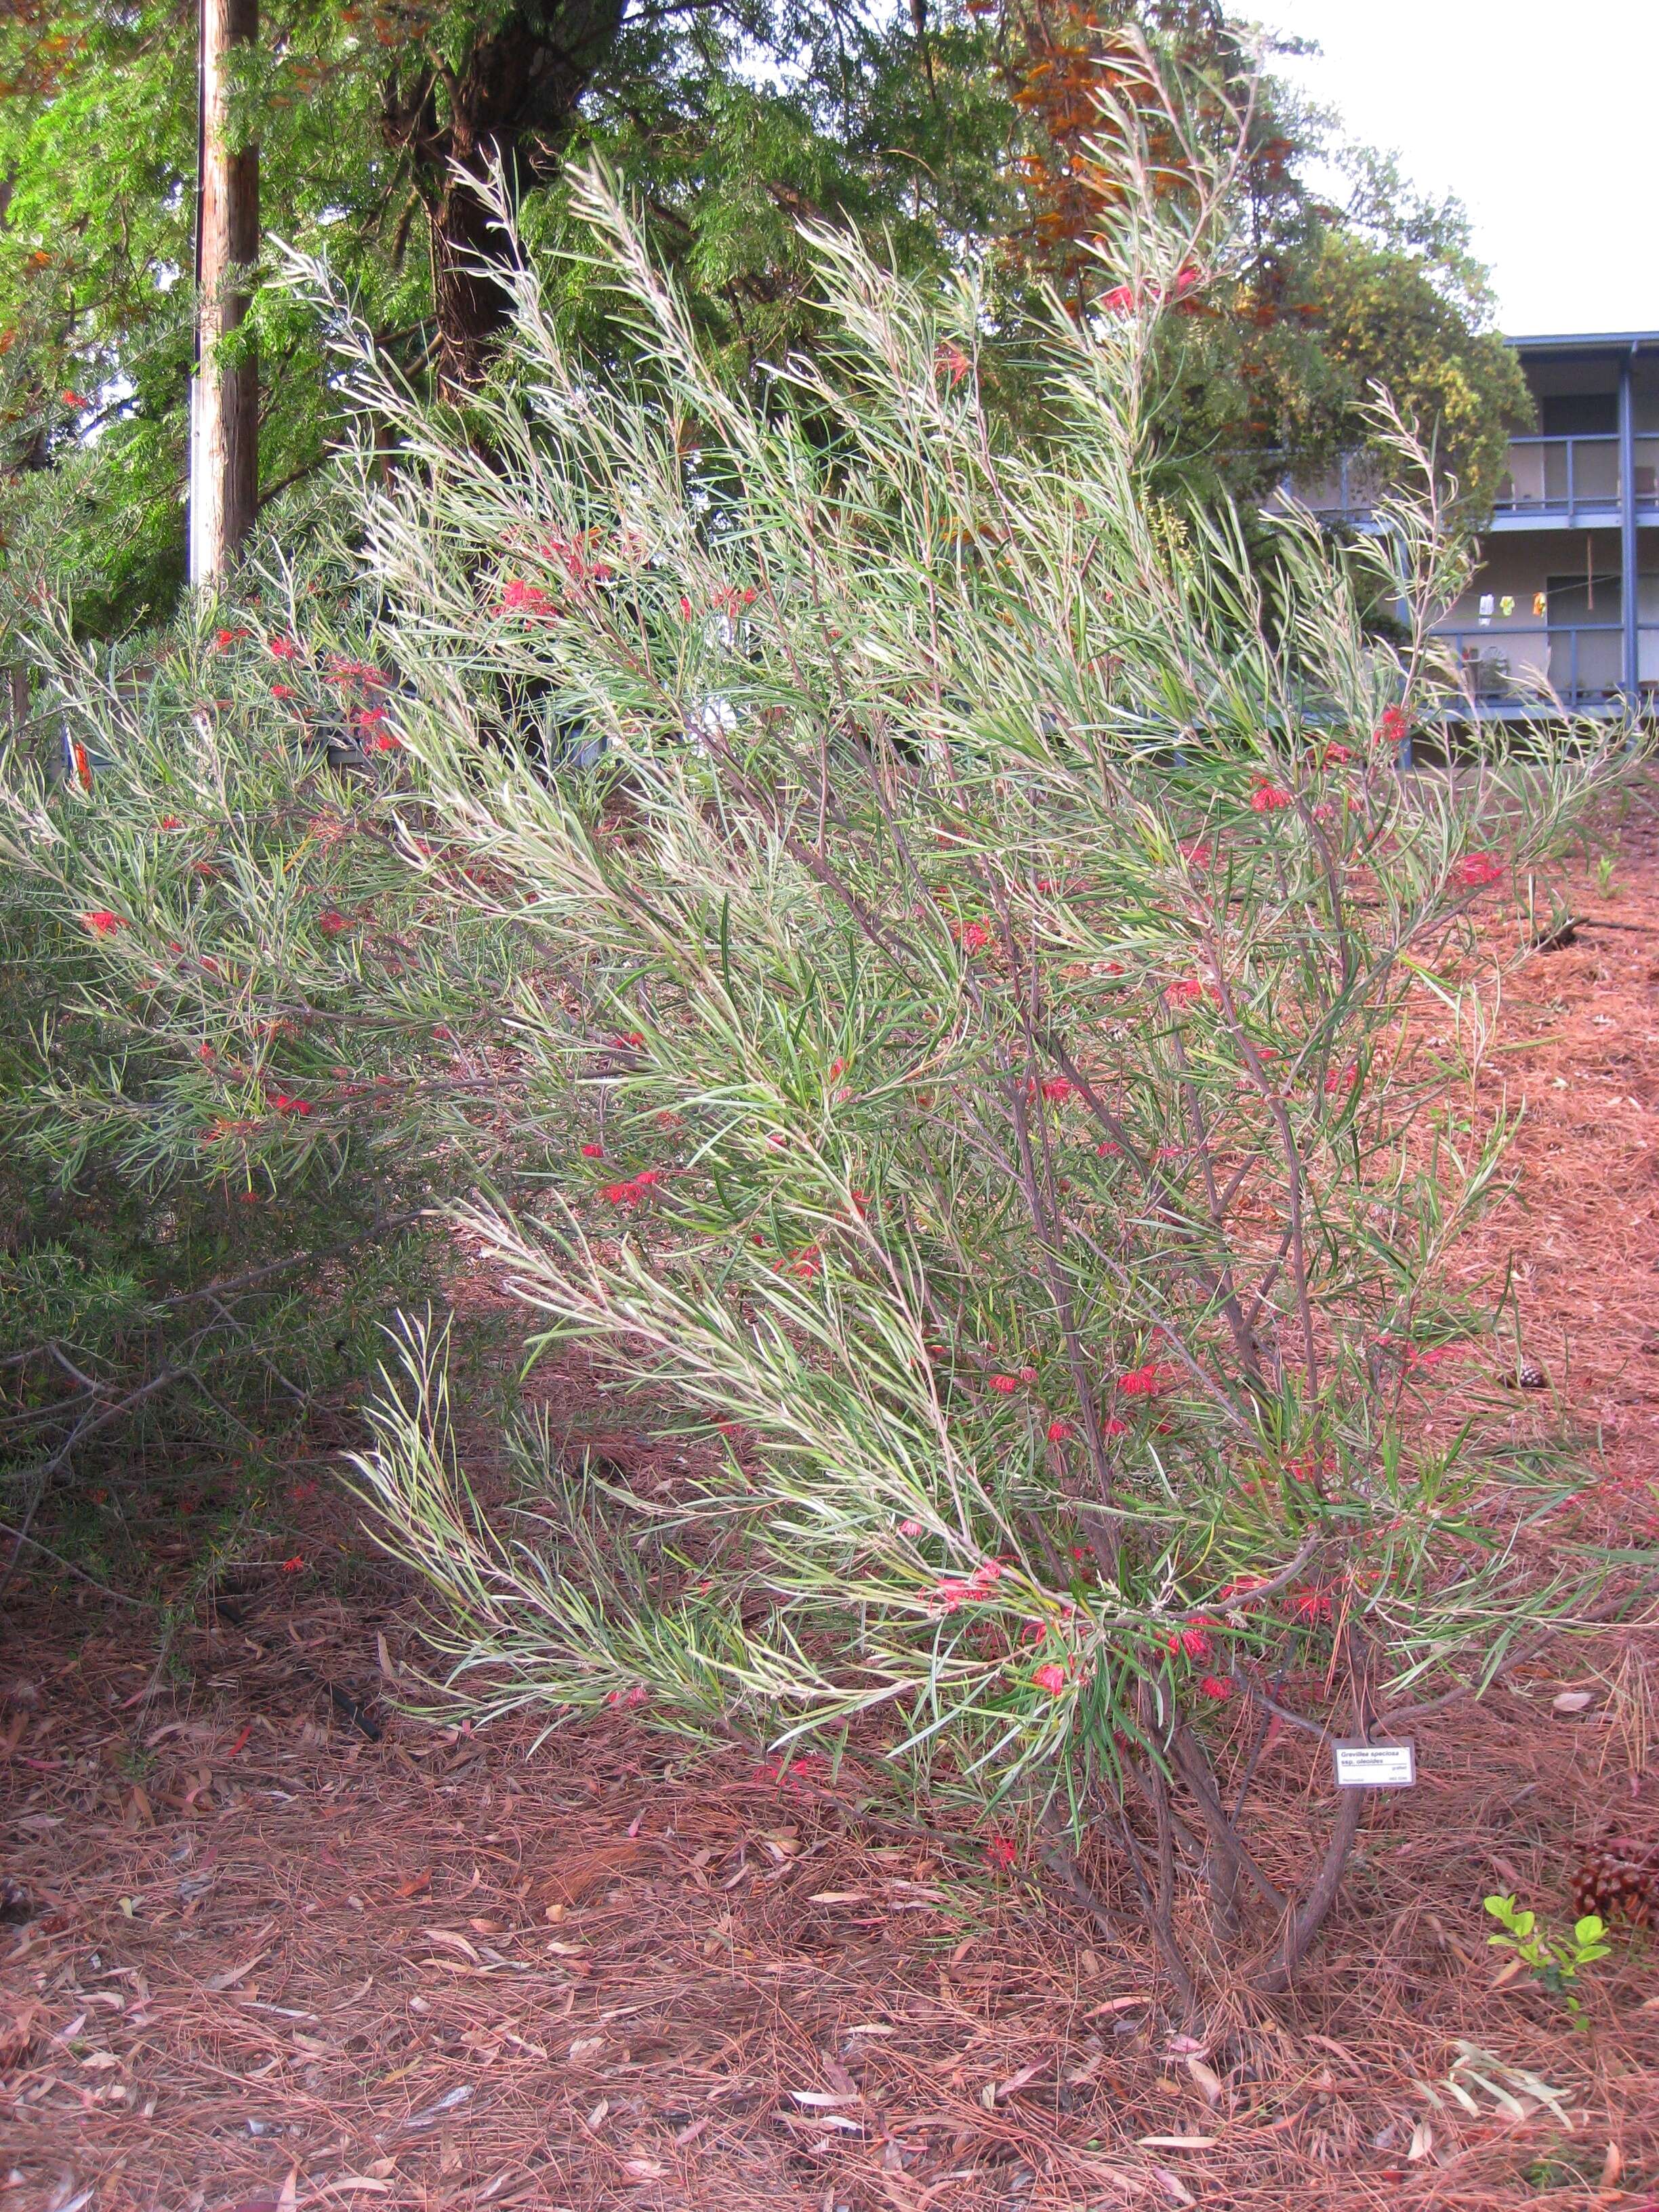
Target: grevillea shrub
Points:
(237, 1064)
(972, 974)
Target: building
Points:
(1566, 596)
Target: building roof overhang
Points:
(1587, 342)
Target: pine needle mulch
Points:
(276, 1944)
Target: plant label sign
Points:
(1375, 1765)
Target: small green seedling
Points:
(1554, 1960)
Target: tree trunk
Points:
(472, 309)
(224, 424)
(510, 96)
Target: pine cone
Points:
(1528, 1375)
(1618, 1876)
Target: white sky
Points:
(1541, 115)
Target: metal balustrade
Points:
(1346, 491)
(1556, 479)
(1581, 664)
(1570, 476)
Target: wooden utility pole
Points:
(224, 412)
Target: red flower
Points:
(1106, 1148)
(102, 923)
(629, 1194)
(576, 556)
(1057, 1088)
(519, 598)
(284, 648)
(1001, 1855)
(1115, 1427)
(224, 638)
(1189, 1642)
(910, 1528)
(331, 921)
(592, 1152)
(1122, 297)
(1194, 850)
(1147, 1382)
(1393, 728)
(1342, 1079)
(1479, 869)
(1004, 1384)
(284, 691)
(628, 1040)
(1305, 1468)
(292, 1566)
(685, 608)
(73, 399)
(343, 671)
(372, 730)
(1334, 753)
(1051, 1678)
(975, 936)
(1216, 1686)
(281, 1103)
(1240, 1586)
(1310, 1605)
(1185, 991)
(1268, 798)
(577, 559)
(1059, 1432)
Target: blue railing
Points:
(1582, 663)
(1567, 476)
(1560, 478)
(1347, 491)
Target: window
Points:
(1580, 415)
